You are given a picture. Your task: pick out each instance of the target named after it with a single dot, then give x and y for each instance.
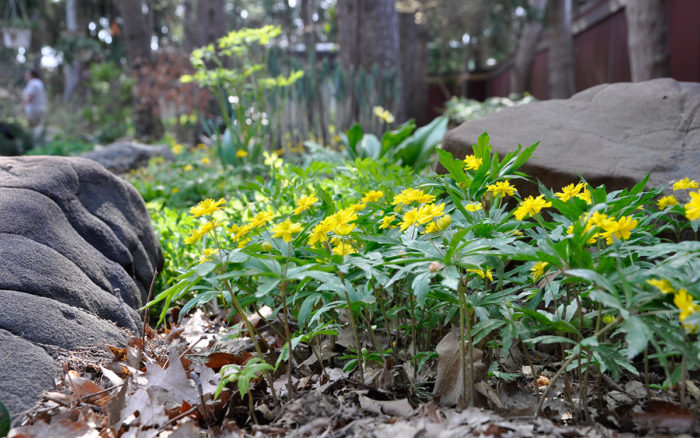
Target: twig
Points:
(146, 311)
(174, 419)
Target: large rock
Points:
(78, 255)
(612, 134)
(123, 157)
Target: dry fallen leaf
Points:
(665, 415)
(173, 381)
(449, 382)
(219, 359)
(82, 387)
(542, 381)
(398, 408)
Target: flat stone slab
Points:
(125, 156)
(78, 256)
(612, 134)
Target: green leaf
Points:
(421, 286)
(4, 420)
(637, 335)
(454, 167)
(391, 139)
(354, 135)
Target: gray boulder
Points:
(78, 255)
(612, 134)
(125, 156)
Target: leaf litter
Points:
(163, 385)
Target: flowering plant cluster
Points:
(399, 258)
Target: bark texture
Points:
(647, 37)
(527, 48)
(561, 56)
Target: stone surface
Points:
(612, 134)
(122, 157)
(78, 255)
(27, 370)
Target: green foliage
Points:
(62, 146)
(4, 420)
(461, 109)
(372, 246)
(405, 145)
(108, 109)
(242, 375)
(14, 140)
(249, 97)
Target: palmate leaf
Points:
(637, 335)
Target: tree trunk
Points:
(647, 37)
(191, 37)
(561, 54)
(137, 43)
(421, 75)
(527, 48)
(74, 70)
(368, 35)
(137, 35)
(211, 21)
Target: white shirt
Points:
(34, 88)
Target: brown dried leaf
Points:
(83, 387)
(398, 408)
(449, 382)
(219, 359)
(666, 415)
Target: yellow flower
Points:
(410, 195)
(501, 188)
(537, 270)
(188, 168)
(202, 146)
(570, 191)
(177, 148)
(411, 217)
(357, 206)
(667, 201)
(684, 301)
(205, 160)
(206, 207)
(243, 243)
(692, 208)
(242, 153)
(272, 160)
(372, 196)
(285, 229)
(208, 226)
(193, 237)
(304, 203)
(174, 190)
(207, 254)
(429, 212)
(607, 319)
(383, 114)
(342, 219)
(386, 221)
(321, 229)
(685, 184)
(530, 206)
(476, 206)
(662, 285)
(483, 273)
(261, 219)
(586, 196)
(342, 248)
(620, 229)
(440, 225)
(472, 163)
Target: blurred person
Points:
(34, 101)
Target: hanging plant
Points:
(16, 28)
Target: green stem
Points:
(353, 325)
